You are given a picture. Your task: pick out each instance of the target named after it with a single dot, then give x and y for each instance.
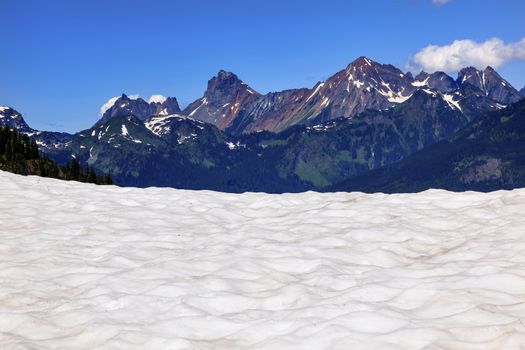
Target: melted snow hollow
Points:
(87, 267)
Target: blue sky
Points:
(62, 59)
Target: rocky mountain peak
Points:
(12, 119)
(440, 81)
(490, 83)
(225, 86)
(362, 63)
(224, 98)
(139, 108)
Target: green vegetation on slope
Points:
(486, 155)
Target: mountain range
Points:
(365, 117)
(486, 155)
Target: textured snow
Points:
(4, 108)
(87, 267)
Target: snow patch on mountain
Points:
(449, 99)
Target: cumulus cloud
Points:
(157, 99)
(462, 53)
(107, 105)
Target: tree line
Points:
(20, 155)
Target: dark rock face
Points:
(13, 119)
(224, 98)
(438, 80)
(168, 107)
(490, 83)
(522, 92)
(139, 108)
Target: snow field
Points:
(102, 267)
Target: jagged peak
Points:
(227, 82)
(224, 75)
(363, 61)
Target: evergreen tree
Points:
(19, 154)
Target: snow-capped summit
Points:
(490, 83)
(363, 84)
(12, 119)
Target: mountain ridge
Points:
(140, 144)
(233, 106)
(487, 155)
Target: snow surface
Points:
(87, 267)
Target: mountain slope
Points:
(176, 151)
(488, 154)
(330, 152)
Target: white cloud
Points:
(157, 99)
(463, 53)
(441, 2)
(108, 105)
